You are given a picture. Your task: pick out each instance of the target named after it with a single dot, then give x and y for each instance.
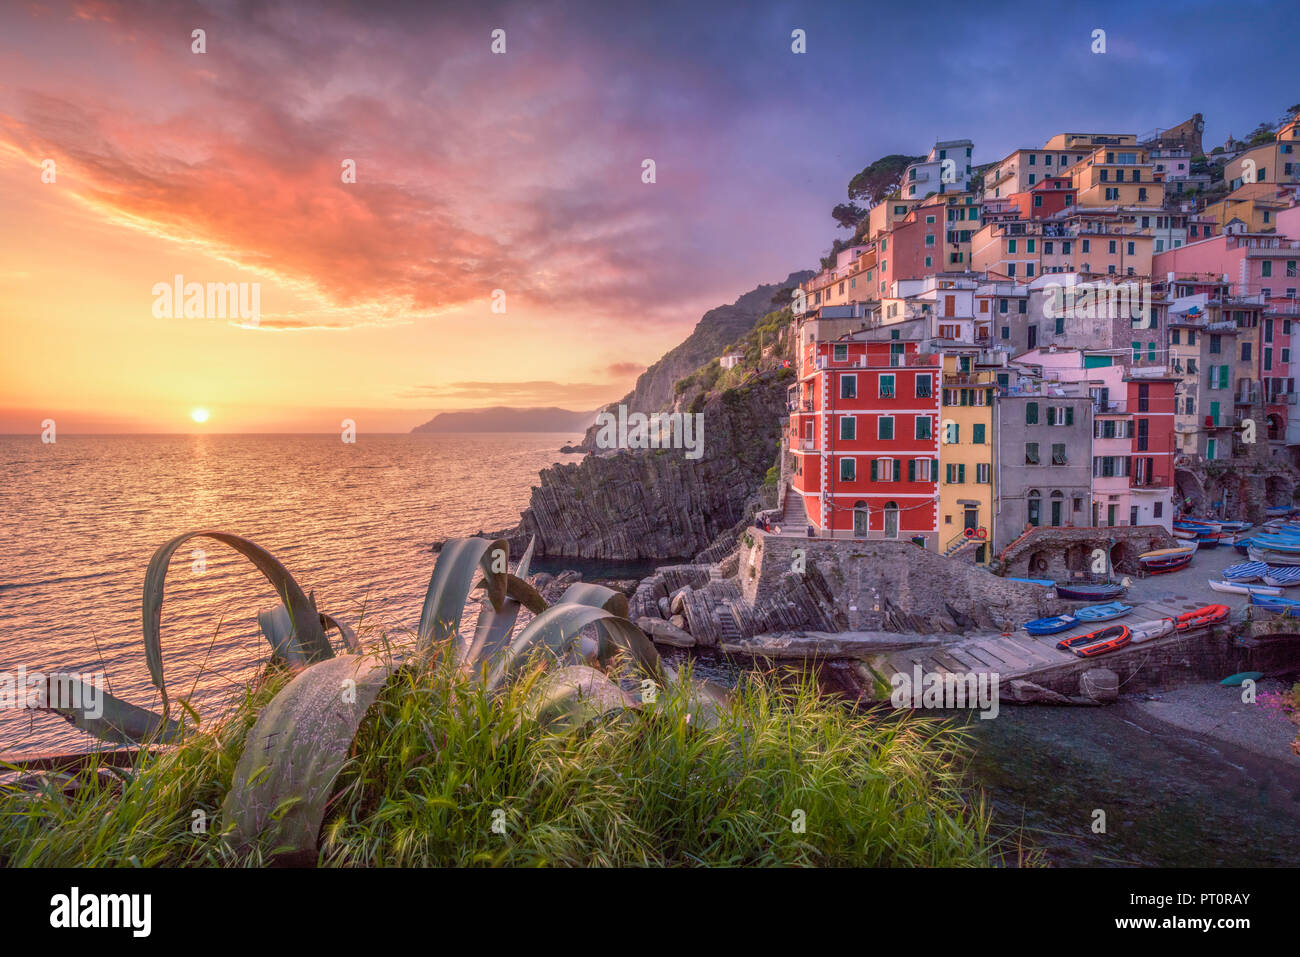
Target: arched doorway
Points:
(1057, 508)
(861, 519)
(1035, 507)
(891, 520)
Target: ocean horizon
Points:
(80, 518)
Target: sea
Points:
(354, 523)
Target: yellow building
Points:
(966, 457)
(1255, 205)
(1118, 176)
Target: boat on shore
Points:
(1271, 556)
(1202, 617)
(1276, 603)
(1150, 630)
(1245, 571)
(1091, 613)
(1286, 576)
(1085, 591)
(1165, 565)
(1242, 588)
(1050, 626)
(1098, 642)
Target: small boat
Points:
(1209, 541)
(1276, 603)
(1149, 630)
(1277, 543)
(1084, 591)
(1186, 534)
(1163, 553)
(1243, 548)
(1234, 526)
(1202, 617)
(1045, 582)
(1245, 571)
(1272, 557)
(1090, 613)
(1164, 566)
(1233, 681)
(1241, 588)
(1286, 576)
(1097, 643)
(1050, 626)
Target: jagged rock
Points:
(1100, 685)
(679, 621)
(665, 633)
(665, 611)
(677, 602)
(656, 502)
(1026, 692)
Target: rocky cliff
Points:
(658, 504)
(717, 329)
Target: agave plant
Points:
(300, 742)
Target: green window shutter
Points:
(1051, 415)
(1031, 413)
(898, 470)
(911, 470)
(1223, 377)
(1069, 415)
(961, 475)
(979, 435)
(873, 470)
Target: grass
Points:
(478, 783)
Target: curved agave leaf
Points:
(294, 753)
(614, 602)
(452, 580)
(572, 696)
(559, 628)
(118, 721)
(494, 626)
(349, 636)
(309, 638)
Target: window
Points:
(1058, 453)
(848, 428)
(923, 427)
(1031, 453)
(952, 433)
(848, 470)
(1031, 413)
(885, 427)
(1216, 344)
(1266, 268)
(982, 473)
(923, 387)
(1245, 352)
(886, 387)
(978, 433)
(840, 353)
(848, 387)
(1035, 507)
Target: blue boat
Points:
(1089, 591)
(1242, 547)
(1277, 543)
(1050, 626)
(1245, 571)
(1276, 603)
(1284, 576)
(1091, 613)
(1046, 582)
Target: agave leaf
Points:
(349, 636)
(278, 631)
(119, 722)
(494, 626)
(558, 628)
(451, 582)
(309, 638)
(614, 602)
(573, 696)
(294, 753)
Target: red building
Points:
(1151, 404)
(1045, 199)
(864, 428)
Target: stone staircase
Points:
(794, 517)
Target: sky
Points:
(500, 245)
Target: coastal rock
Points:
(1100, 685)
(654, 503)
(665, 633)
(1026, 692)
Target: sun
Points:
(199, 415)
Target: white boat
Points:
(1185, 534)
(1257, 554)
(1285, 577)
(1147, 630)
(1241, 588)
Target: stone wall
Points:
(889, 586)
(1063, 553)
